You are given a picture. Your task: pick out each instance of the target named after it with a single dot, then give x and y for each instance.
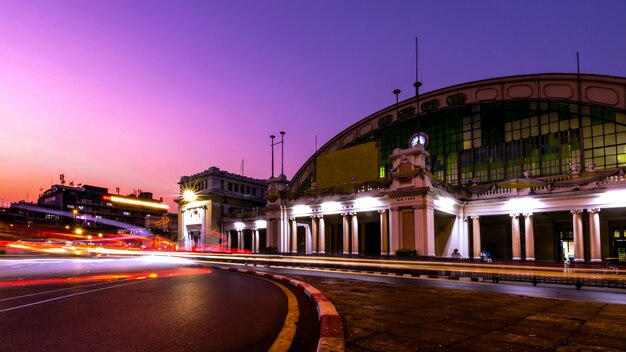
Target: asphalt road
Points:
(119, 305)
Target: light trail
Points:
(66, 296)
(51, 291)
(452, 267)
(107, 277)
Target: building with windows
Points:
(95, 208)
(528, 167)
(218, 211)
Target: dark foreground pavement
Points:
(399, 317)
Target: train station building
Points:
(527, 167)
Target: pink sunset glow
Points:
(136, 94)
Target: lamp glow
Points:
(366, 202)
(261, 224)
(239, 226)
(328, 207)
(445, 204)
(523, 204)
(117, 199)
(300, 209)
(189, 195)
(612, 197)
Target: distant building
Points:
(212, 206)
(95, 208)
(165, 225)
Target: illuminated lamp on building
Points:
(525, 204)
(367, 203)
(189, 195)
(445, 204)
(301, 209)
(329, 207)
(122, 200)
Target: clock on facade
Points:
(418, 138)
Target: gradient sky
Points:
(136, 94)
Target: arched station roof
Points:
(608, 92)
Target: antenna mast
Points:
(417, 83)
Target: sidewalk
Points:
(398, 317)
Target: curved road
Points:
(162, 307)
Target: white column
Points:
(384, 232)
(355, 234)
(284, 229)
(464, 243)
(529, 236)
(577, 225)
(229, 240)
(594, 235)
(476, 235)
(515, 234)
(255, 241)
(239, 239)
(314, 234)
(429, 218)
(346, 234)
(322, 236)
(394, 230)
(294, 236)
(424, 236)
(308, 239)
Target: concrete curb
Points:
(400, 275)
(331, 326)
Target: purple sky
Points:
(136, 94)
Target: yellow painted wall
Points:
(337, 168)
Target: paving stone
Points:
(610, 319)
(402, 319)
(603, 328)
(578, 347)
(392, 317)
(434, 336)
(555, 321)
(388, 342)
(477, 323)
(387, 308)
(358, 349)
(356, 333)
(374, 324)
(457, 329)
(520, 339)
(614, 309)
(538, 330)
(484, 344)
(599, 340)
(576, 310)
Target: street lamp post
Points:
(282, 151)
(397, 92)
(272, 145)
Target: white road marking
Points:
(68, 296)
(51, 291)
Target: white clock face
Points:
(418, 139)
